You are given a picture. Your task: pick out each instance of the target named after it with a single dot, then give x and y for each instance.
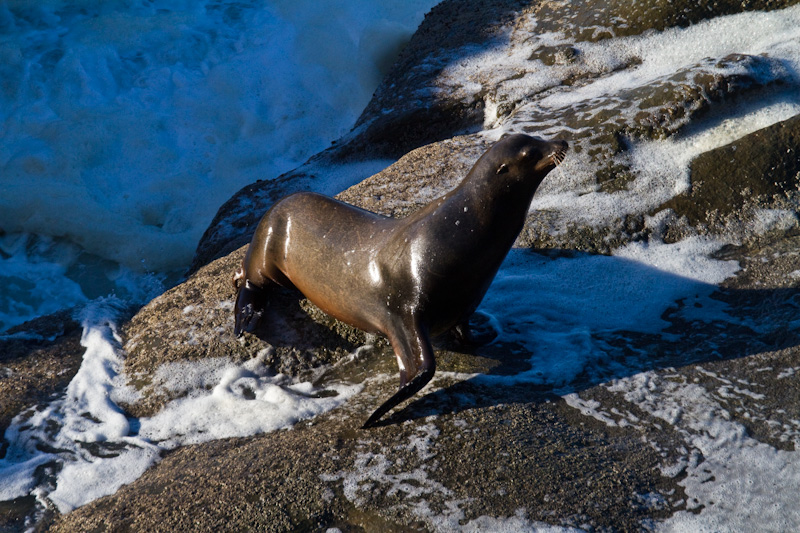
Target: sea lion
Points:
(406, 278)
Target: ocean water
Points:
(124, 125)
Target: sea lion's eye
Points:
(502, 169)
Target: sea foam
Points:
(93, 447)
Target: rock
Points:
(409, 108)
(37, 360)
(401, 477)
(760, 170)
(596, 20)
(418, 177)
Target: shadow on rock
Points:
(303, 336)
(598, 340)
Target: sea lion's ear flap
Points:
(502, 169)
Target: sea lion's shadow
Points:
(303, 336)
(733, 324)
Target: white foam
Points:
(512, 524)
(97, 448)
(40, 275)
(245, 400)
(18, 478)
(28, 286)
(661, 168)
(82, 481)
(502, 72)
(733, 482)
(145, 118)
(506, 70)
(663, 53)
(84, 417)
(689, 258)
(774, 219)
(555, 306)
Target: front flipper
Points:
(463, 334)
(250, 302)
(411, 346)
(466, 336)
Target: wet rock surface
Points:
(38, 360)
(761, 168)
(619, 446)
(324, 475)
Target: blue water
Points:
(124, 125)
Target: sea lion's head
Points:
(524, 157)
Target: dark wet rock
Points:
(409, 109)
(502, 451)
(595, 20)
(761, 169)
(466, 451)
(562, 54)
(37, 360)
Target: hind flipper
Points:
(250, 302)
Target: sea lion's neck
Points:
(495, 206)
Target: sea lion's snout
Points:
(551, 154)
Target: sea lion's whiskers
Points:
(558, 158)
